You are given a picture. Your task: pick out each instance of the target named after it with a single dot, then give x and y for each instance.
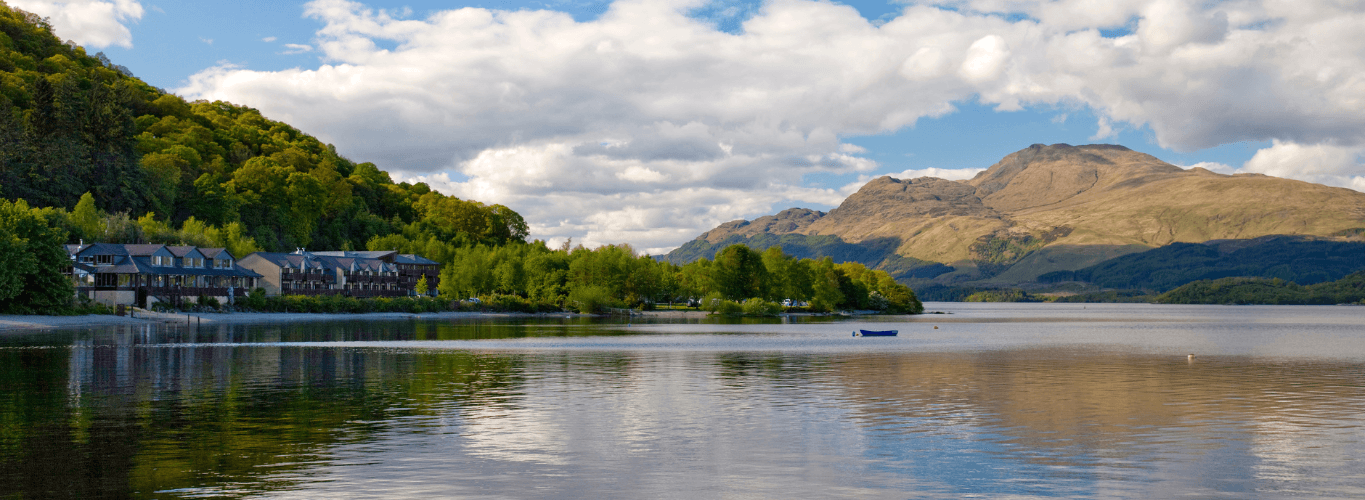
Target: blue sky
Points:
(199, 35)
(650, 121)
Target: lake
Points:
(1000, 400)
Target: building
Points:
(411, 267)
(141, 275)
(355, 274)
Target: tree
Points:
(86, 217)
(739, 273)
(31, 279)
(421, 287)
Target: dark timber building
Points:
(142, 275)
(355, 274)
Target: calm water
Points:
(1012, 400)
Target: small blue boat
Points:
(875, 333)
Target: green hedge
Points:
(258, 301)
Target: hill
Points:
(1046, 211)
(160, 169)
(1347, 290)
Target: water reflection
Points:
(298, 411)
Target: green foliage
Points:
(1244, 290)
(712, 301)
(209, 302)
(612, 276)
(1011, 295)
(1111, 296)
(759, 307)
(31, 279)
(589, 299)
(740, 272)
(877, 253)
(257, 301)
(72, 124)
(421, 287)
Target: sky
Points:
(649, 122)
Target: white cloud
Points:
(294, 48)
(952, 174)
(648, 126)
(91, 23)
(1320, 163)
(1215, 167)
(269, 39)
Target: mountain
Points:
(1046, 209)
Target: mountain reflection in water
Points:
(1003, 400)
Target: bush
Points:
(728, 308)
(712, 302)
(209, 302)
(590, 299)
(760, 307)
(83, 305)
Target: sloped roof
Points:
(104, 249)
(181, 251)
(213, 253)
(366, 254)
(408, 258)
(143, 249)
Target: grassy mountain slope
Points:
(1062, 208)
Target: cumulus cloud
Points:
(1215, 167)
(91, 23)
(952, 174)
(649, 126)
(1320, 163)
(295, 48)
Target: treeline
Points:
(1348, 290)
(72, 124)
(614, 276)
(31, 259)
(875, 253)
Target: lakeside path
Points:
(36, 322)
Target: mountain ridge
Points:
(1065, 207)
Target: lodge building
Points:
(141, 275)
(351, 273)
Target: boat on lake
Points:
(875, 333)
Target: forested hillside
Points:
(1347, 290)
(1299, 259)
(76, 124)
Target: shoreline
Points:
(10, 323)
(28, 323)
